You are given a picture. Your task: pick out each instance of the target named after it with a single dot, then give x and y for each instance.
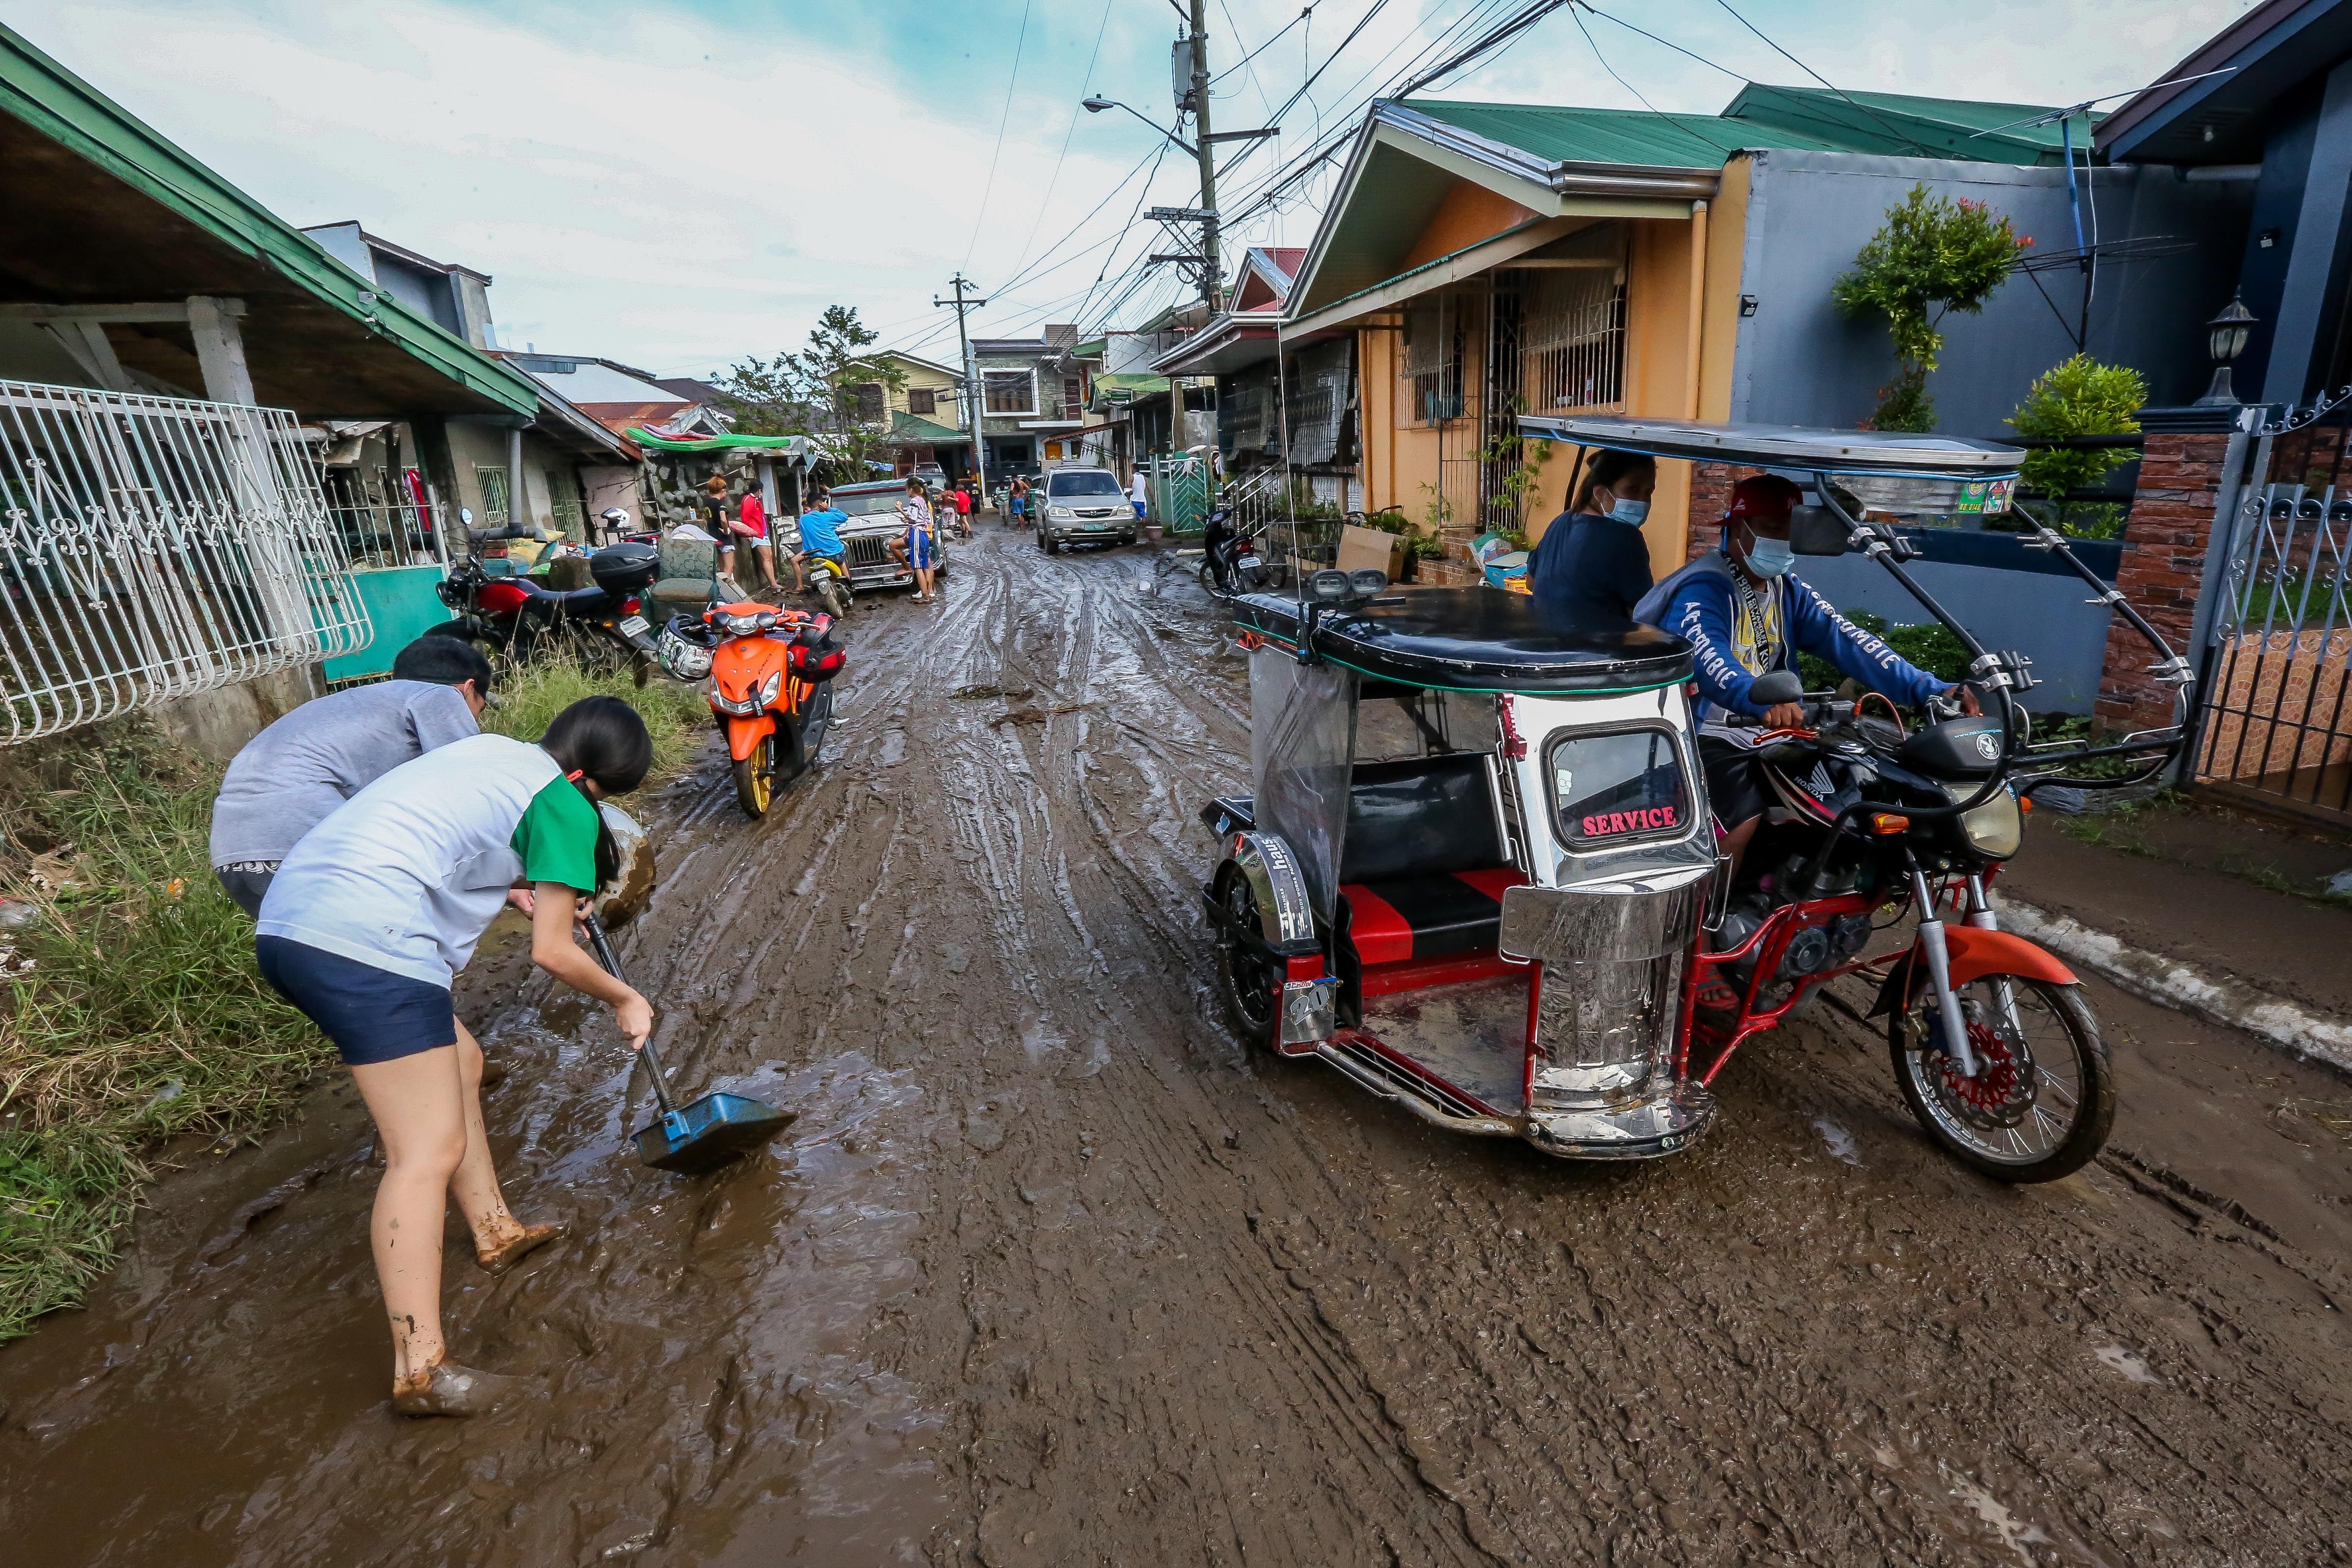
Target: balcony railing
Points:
(153, 548)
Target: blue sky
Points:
(678, 185)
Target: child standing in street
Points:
(365, 924)
(920, 544)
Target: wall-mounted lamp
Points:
(1747, 304)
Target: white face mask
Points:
(1635, 513)
(1769, 557)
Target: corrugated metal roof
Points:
(1763, 118)
(58, 104)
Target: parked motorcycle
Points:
(602, 625)
(771, 675)
(1230, 563)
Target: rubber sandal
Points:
(452, 1390)
(498, 1260)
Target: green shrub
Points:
(1928, 645)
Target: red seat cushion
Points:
(1402, 918)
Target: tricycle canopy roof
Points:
(1477, 639)
(1892, 453)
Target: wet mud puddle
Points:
(1051, 1270)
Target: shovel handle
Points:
(612, 962)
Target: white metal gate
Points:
(152, 548)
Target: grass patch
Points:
(131, 1012)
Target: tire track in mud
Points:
(1051, 1270)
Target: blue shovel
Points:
(706, 1134)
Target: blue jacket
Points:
(1695, 605)
(1590, 566)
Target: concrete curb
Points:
(2170, 983)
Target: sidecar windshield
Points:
(1617, 788)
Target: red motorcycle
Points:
(602, 625)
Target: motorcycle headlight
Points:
(741, 625)
(1994, 829)
(726, 704)
(775, 683)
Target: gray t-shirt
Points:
(289, 778)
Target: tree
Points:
(2078, 397)
(817, 391)
(1934, 255)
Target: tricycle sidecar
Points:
(1473, 864)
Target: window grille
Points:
(1433, 344)
(866, 405)
(156, 547)
(1572, 336)
(1321, 385)
(1073, 397)
(1009, 391)
(492, 483)
(922, 400)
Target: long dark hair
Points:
(1607, 469)
(603, 739)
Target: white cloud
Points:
(654, 186)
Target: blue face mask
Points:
(1634, 512)
(1769, 557)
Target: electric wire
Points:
(1576, 17)
(1019, 42)
(1881, 124)
(1669, 43)
(1056, 177)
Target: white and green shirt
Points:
(408, 874)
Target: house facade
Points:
(1482, 260)
(1033, 396)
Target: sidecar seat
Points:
(1423, 867)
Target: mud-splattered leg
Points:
(474, 1184)
(415, 1101)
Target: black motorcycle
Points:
(1230, 563)
(602, 625)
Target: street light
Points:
(1097, 103)
(2225, 339)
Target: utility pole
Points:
(971, 398)
(1211, 276)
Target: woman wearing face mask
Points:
(1745, 614)
(1593, 562)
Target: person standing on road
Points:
(750, 525)
(294, 774)
(1139, 491)
(366, 924)
(963, 510)
(918, 546)
(820, 535)
(1017, 500)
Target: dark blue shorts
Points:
(370, 1014)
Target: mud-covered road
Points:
(1051, 1271)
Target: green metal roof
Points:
(1122, 386)
(916, 430)
(780, 444)
(60, 105)
(1763, 118)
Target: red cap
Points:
(1763, 495)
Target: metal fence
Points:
(2277, 721)
(154, 548)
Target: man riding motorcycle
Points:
(820, 535)
(1745, 615)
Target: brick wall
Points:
(2162, 568)
(1710, 498)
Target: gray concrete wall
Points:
(217, 724)
(1799, 361)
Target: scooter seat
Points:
(1399, 918)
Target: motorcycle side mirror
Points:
(1816, 531)
(465, 517)
(1779, 686)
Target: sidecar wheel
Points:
(1247, 978)
(2045, 1101)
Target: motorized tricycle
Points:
(770, 673)
(1477, 872)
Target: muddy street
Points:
(1051, 1270)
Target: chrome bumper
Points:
(1647, 1130)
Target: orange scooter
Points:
(770, 687)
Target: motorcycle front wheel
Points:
(1247, 979)
(2044, 1099)
(755, 779)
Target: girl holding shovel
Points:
(367, 922)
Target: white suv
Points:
(1083, 504)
